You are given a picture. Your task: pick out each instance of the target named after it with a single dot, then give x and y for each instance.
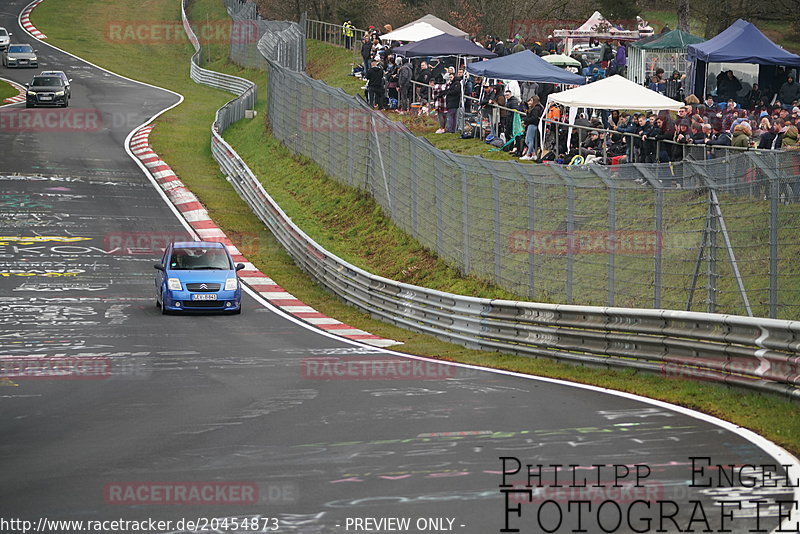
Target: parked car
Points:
(46, 91)
(197, 276)
(20, 55)
(61, 74)
(5, 39)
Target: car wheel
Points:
(237, 311)
(28, 105)
(66, 103)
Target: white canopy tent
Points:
(614, 92)
(423, 28)
(596, 27)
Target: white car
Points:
(5, 39)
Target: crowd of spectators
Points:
(765, 118)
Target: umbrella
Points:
(561, 60)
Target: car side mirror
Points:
(27, 84)
(239, 266)
(70, 80)
(158, 267)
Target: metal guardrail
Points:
(759, 354)
(247, 90)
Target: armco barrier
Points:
(760, 354)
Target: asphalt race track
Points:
(256, 416)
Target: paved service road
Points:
(134, 415)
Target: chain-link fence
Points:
(253, 39)
(709, 235)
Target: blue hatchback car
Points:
(198, 276)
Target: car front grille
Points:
(205, 287)
(46, 97)
(203, 303)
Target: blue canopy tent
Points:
(443, 45)
(524, 66)
(741, 42)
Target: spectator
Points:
(366, 52)
(657, 82)
(424, 77)
(519, 47)
(696, 134)
(533, 113)
(788, 93)
(375, 87)
(621, 59)
(452, 102)
(673, 88)
(720, 136)
(439, 97)
(593, 144)
(506, 116)
(790, 139)
(347, 31)
(665, 131)
(741, 135)
(764, 126)
(500, 49)
(772, 139)
(404, 87)
(728, 86)
(754, 97)
(550, 45)
(708, 133)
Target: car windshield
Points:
(45, 81)
(3, 33)
(20, 48)
(185, 259)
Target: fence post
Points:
(531, 239)
(612, 239)
(465, 216)
(570, 240)
(497, 244)
(774, 197)
(712, 253)
(657, 266)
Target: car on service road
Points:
(20, 55)
(5, 39)
(46, 91)
(197, 276)
(61, 74)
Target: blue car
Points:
(198, 276)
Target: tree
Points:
(619, 9)
(683, 15)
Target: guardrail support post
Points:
(570, 240)
(612, 238)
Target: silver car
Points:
(61, 74)
(20, 55)
(5, 39)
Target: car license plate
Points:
(46, 97)
(204, 296)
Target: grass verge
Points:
(177, 139)
(6, 91)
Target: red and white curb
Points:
(197, 216)
(25, 19)
(15, 99)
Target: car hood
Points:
(46, 88)
(22, 55)
(208, 275)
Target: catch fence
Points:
(715, 235)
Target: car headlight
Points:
(231, 284)
(59, 93)
(173, 284)
(31, 93)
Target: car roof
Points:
(197, 244)
(50, 73)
